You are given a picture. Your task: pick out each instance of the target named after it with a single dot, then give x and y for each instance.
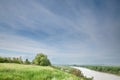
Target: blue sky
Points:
(68, 31)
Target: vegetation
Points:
(11, 71)
(108, 69)
(11, 60)
(73, 71)
(27, 61)
(42, 60)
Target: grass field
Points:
(11, 71)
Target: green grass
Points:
(10, 71)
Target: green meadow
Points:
(12, 71)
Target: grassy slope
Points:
(9, 71)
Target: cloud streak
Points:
(67, 29)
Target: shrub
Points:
(76, 72)
(41, 59)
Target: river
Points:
(97, 75)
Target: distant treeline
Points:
(108, 69)
(14, 60)
(40, 59)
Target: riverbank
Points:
(73, 71)
(97, 75)
(107, 69)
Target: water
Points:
(98, 75)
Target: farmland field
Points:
(11, 71)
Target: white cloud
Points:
(88, 33)
(22, 44)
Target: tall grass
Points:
(9, 71)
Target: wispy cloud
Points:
(61, 29)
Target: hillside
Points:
(10, 71)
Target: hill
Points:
(11, 71)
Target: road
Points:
(98, 75)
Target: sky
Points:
(67, 31)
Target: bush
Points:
(41, 59)
(76, 72)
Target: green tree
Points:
(27, 61)
(1, 59)
(41, 59)
(20, 60)
(9, 60)
(15, 60)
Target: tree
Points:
(11, 60)
(1, 59)
(41, 59)
(27, 61)
(20, 60)
(15, 60)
